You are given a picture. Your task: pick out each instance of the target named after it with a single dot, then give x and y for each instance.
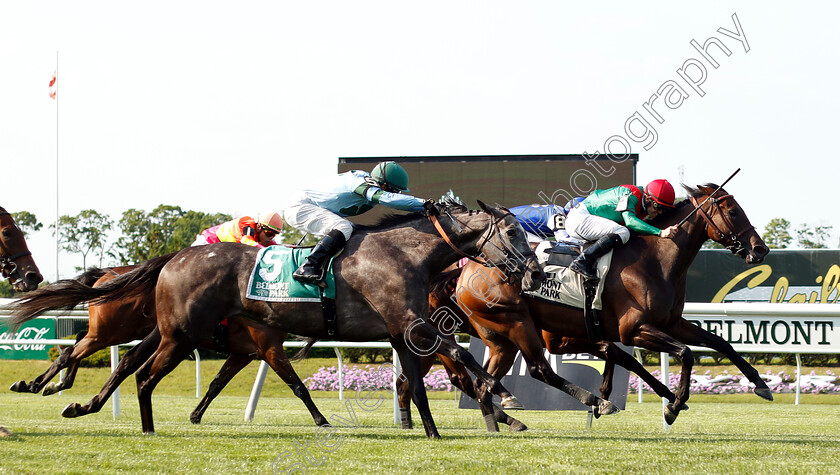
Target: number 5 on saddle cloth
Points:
(271, 280)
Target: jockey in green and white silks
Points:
(321, 208)
(607, 216)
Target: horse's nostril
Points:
(34, 277)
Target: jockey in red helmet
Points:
(607, 216)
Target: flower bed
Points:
(725, 383)
(370, 378)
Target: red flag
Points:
(52, 87)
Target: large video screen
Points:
(508, 180)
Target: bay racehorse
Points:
(453, 319)
(643, 297)
(133, 318)
(16, 263)
(382, 282)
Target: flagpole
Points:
(56, 168)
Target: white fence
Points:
(749, 327)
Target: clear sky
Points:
(225, 107)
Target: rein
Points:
(8, 266)
(475, 258)
(733, 244)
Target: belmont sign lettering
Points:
(792, 334)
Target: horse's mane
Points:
(391, 220)
(693, 192)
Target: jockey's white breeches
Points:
(305, 216)
(582, 225)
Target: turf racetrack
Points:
(719, 434)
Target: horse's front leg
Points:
(410, 362)
(424, 339)
(693, 335)
(651, 338)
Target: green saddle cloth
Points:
(271, 280)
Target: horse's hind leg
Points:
(278, 360)
(502, 355)
(129, 364)
(651, 338)
(527, 339)
(233, 365)
(167, 357)
(404, 392)
(693, 335)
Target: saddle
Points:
(567, 288)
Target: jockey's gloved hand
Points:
(429, 206)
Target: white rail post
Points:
(638, 353)
(115, 398)
(197, 373)
(665, 364)
(397, 373)
(340, 373)
(798, 379)
(255, 392)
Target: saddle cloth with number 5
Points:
(271, 280)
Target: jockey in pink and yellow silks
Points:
(258, 232)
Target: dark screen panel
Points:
(509, 180)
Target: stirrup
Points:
(581, 269)
(301, 275)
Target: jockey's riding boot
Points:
(312, 271)
(584, 264)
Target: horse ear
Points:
(486, 208)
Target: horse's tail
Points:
(90, 276)
(70, 292)
(304, 352)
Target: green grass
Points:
(731, 437)
(719, 434)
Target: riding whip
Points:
(707, 198)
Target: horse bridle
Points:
(8, 266)
(509, 253)
(729, 241)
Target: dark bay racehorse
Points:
(16, 263)
(382, 282)
(643, 297)
(133, 318)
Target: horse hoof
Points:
(511, 403)
(670, 415)
(19, 387)
(518, 427)
(51, 388)
(606, 408)
(72, 410)
(5, 432)
(764, 393)
(195, 418)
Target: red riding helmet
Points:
(661, 191)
